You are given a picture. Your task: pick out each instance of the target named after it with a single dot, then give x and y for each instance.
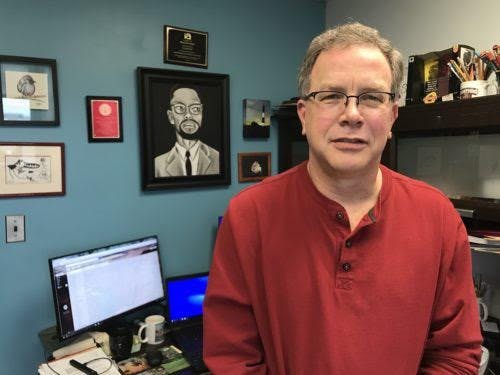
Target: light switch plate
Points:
(14, 228)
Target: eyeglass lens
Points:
(180, 109)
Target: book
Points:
(485, 237)
(94, 358)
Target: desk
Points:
(50, 342)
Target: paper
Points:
(429, 161)
(489, 327)
(63, 367)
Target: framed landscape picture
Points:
(256, 118)
(184, 120)
(31, 169)
(29, 91)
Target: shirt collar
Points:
(182, 151)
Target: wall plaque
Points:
(185, 47)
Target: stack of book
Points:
(485, 240)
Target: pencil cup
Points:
(477, 88)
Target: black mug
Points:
(120, 342)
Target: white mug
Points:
(476, 88)
(153, 325)
(483, 310)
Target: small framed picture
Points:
(257, 118)
(254, 166)
(28, 87)
(104, 118)
(31, 169)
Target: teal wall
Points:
(98, 45)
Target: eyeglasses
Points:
(194, 109)
(335, 99)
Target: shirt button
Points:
(348, 244)
(346, 267)
(339, 215)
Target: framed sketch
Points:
(29, 91)
(184, 128)
(254, 166)
(31, 169)
(104, 118)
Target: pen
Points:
(82, 367)
(455, 72)
(459, 70)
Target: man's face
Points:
(349, 139)
(185, 112)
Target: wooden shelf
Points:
(478, 115)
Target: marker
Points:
(82, 367)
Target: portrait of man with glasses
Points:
(341, 265)
(189, 156)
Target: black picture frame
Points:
(104, 125)
(29, 91)
(253, 166)
(159, 135)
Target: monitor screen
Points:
(185, 295)
(93, 286)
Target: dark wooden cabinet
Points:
(463, 117)
(292, 145)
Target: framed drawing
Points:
(31, 169)
(184, 128)
(29, 91)
(254, 166)
(104, 118)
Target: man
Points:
(189, 156)
(340, 265)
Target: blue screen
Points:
(185, 297)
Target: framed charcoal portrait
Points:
(184, 128)
(29, 91)
(253, 166)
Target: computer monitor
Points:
(185, 295)
(93, 286)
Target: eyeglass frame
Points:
(313, 94)
(187, 108)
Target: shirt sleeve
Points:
(454, 341)
(231, 342)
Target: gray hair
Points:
(347, 35)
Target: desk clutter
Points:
(114, 359)
(459, 72)
(94, 361)
(160, 361)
